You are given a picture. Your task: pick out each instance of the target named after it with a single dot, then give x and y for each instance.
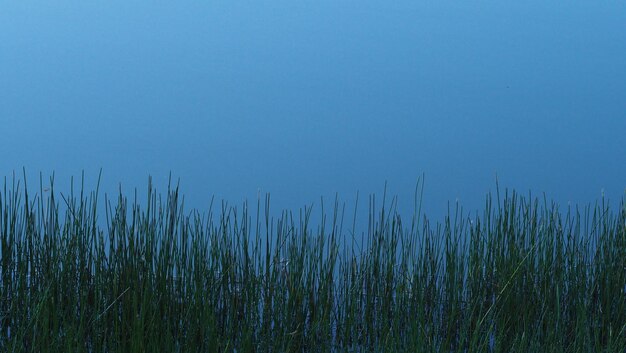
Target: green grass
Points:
(523, 277)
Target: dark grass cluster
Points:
(523, 276)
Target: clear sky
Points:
(304, 99)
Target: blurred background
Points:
(310, 99)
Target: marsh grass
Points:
(523, 277)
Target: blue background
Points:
(304, 99)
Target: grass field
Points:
(525, 276)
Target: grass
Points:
(523, 277)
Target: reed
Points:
(523, 277)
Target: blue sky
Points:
(304, 99)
